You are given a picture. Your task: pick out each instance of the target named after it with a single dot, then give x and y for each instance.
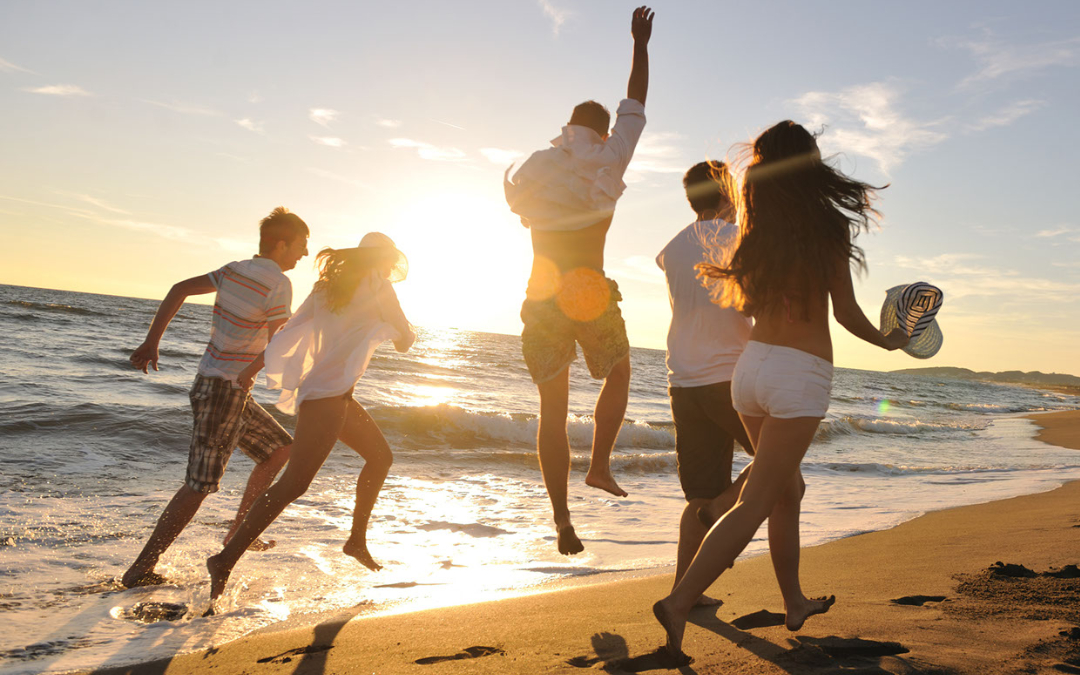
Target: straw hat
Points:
(913, 308)
(400, 269)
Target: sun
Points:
(469, 261)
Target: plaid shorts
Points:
(226, 417)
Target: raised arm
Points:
(146, 354)
(849, 315)
(641, 29)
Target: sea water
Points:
(92, 450)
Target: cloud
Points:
(658, 152)
(557, 15)
(1007, 115)
(429, 151)
(322, 116)
(255, 97)
(866, 120)
(998, 60)
(1062, 229)
(961, 276)
(59, 90)
(9, 67)
(323, 173)
(251, 125)
(94, 201)
(639, 268)
(184, 108)
(328, 141)
(500, 156)
(389, 124)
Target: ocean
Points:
(92, 450)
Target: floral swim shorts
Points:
(583, 309)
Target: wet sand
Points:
(927, 596)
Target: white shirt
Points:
(576, 182)
(320, 353)
(704, 340)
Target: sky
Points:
(143, 142)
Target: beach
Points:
(955, 614)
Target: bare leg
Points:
(554, 451)
(607, 421)
(691, 532)
(783, 442)
(260, 479)
(317, 430)
(708, 514)
(784, 548)
(177, 514)
(362, 434)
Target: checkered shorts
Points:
(226, 417)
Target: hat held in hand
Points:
(914, 309)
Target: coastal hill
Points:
(1032, 379)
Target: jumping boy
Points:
(566, 195)
(253, 301)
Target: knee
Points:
(382, 459)
(620, 373)
(290, 490)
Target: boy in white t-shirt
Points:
(254, 300)
(704, 342)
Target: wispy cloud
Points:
(328, 141)
(500, 156)
(9, 67)
(447, 124)
(322, 116)
(1007, 115)
(99, 203)
(429, 151)
(999, 60)
(639, 268)
(963, 275)
(388, 123)
(184, 108)
(1057, 231)
(658, 152)
(866, 120)
(330, 175)
(59, 90)
(558, 15)
(251, 125)
(255, 97)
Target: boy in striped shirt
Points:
(254, 300)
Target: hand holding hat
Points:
(913, 309)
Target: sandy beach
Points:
(926, 596)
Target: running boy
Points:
(254, 300)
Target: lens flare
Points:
(883, 406)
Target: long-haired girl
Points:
(799, 217)
(316, 360)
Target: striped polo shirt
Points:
(250, 294)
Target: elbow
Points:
(843, 316)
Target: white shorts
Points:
(780, 382)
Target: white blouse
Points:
(321, 354)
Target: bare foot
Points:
(358, 550)
(219, 576)
(605, 482)
(568, 541)
(798, 615)
(672, 627)
(134, 578)
(706, 601)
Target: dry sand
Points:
(968, 619)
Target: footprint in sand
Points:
(917, 600)
(467, 653)
(286, 657)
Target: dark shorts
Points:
(586, 313)
(226, 417)
(706, 427)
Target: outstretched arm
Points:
(849, 315)
(146, 354)
(390, 310)
(641, 29)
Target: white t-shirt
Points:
(576, 182)
(704, 340)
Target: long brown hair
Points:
(341, 270)
(798, 217)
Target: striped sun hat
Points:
(914, 308)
